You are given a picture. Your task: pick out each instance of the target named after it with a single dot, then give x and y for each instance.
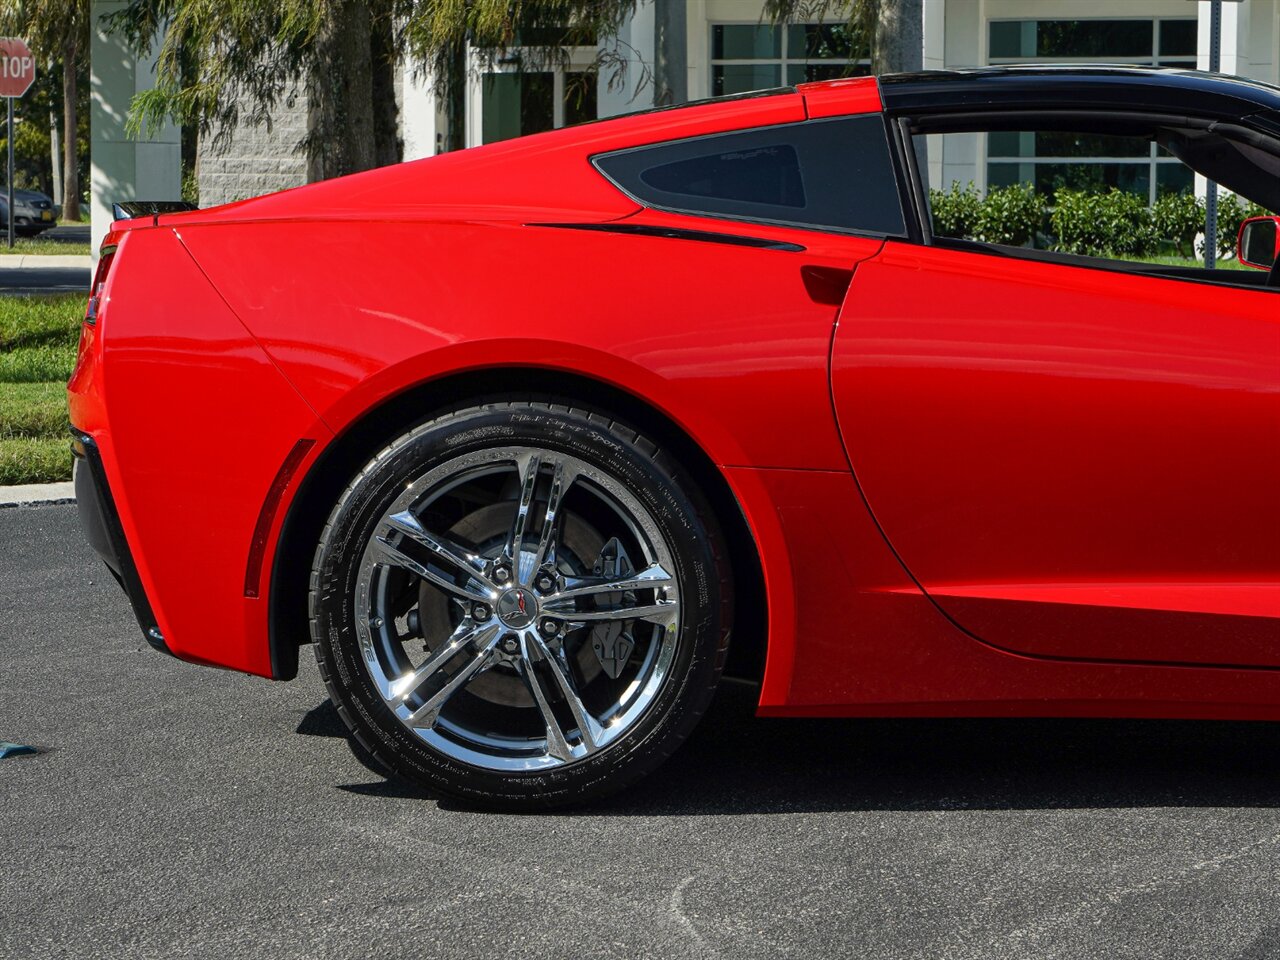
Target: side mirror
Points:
(1259, 242)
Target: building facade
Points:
(731, 48)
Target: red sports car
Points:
(525, 454)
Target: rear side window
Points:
(829, 174)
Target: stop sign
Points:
(17, 67)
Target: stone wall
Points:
(258, 159)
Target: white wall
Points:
(637, 43)
(1252, 41)
(121, 168)
(964, 44)
(420, 119)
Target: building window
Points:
(755, 56)
(532, 89)
(1051, 160)
(1096, 162)
(516, 103)
(1159, 43)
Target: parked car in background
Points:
(33, 212)
(518, 436)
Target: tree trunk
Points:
(670, 53)
(899, 43)
(55, 150)
(340, 135)
(388, 147)
(70, 158)
(452, 77)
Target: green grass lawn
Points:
(42, 245)
(38, 338)
(1176, 261)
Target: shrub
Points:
(1010, 215)
(1232, 211)
(1178, 218)
(1112, 224)
(955, 211)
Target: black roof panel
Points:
(1047, 86)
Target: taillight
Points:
(106, 255)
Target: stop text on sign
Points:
(17, 67)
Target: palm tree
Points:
(56, 31)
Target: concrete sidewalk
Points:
(47, 261)
(32, 493)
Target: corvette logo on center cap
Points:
(515, 610)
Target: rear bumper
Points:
(101, 524)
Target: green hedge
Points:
(1178, 218)
(1112, 224)
(1232, 211)
(955, 211)
(1011, 215)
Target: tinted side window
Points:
(764, 175)
(833, 174)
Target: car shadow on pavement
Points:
(736, 763)
(323, 721)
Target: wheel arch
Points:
(328, 475)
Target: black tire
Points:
(650, 475)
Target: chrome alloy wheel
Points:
(517, 609)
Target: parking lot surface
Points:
(178, 811)
(52, 276)
(45, 279)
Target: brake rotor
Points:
(486, 528)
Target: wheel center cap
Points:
(517, 608)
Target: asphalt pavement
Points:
(42, 279)
(178, 811)
(50, 276)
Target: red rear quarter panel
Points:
(354, 316)
(235, 332)
(193, 420)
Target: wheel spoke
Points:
(562, 479)
(528, 467)
(487, 641)
(405, 687)
(652, 577)
(393, 554)
(557, 744)
(663, 612)
(588, 727)
(445, 553)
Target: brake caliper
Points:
(612, 644)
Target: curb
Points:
(46, 262)
(37, 494)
